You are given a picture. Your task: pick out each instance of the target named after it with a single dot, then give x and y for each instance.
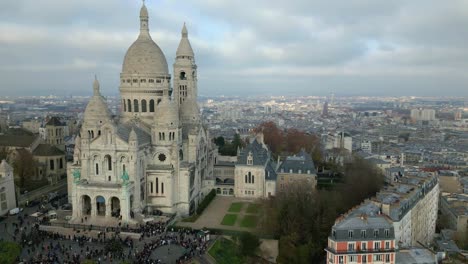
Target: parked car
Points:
(33, 203)
(15, 211)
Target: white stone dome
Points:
(144, 56)
(97, 109)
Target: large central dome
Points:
(144, 56)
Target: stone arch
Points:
(100, 205)
(182, 75)
(129, 105)
(115, 206)
(135, 106)
(231, 191)
(151, 105)
(108, 160)
(143, 106)
(218, 190)
(86, 205)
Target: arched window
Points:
(246, 178)
(135, 106)
(162, 187)
(151, 106)
(157, 185)
(253, 179)
(97, 169)
(109, 162)
(92, 133)
(250, 177)
(151, 187)
(129, 105)
(124, 105)
(143, 106)
(182, 75)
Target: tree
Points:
(302, 218)
(24, 166)
(273, 136)
(248, 243)
(219, 141)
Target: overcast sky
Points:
(243, 47)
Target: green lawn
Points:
(229, 219)
(249, 221)
(253, 208)
(236, 207)
(225, 252)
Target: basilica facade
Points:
(153, 155)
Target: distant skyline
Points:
(243, 48)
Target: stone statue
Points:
(76, 175)
(125, 178)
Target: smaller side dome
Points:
(97, 109)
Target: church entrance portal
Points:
(86, 203)
(101, 206)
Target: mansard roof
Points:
(301, 162)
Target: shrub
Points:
(206, 201)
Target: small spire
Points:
(144, 19)
(96, 86)
(184, 31)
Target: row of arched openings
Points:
(137, 106)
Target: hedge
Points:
(206, 201)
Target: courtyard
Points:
(228, 213)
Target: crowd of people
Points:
(47, 247)
(193, 244)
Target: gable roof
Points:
(54, 121)
(260, 154)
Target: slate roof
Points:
(47, 150)
(23, 141)
(261, 157)
(54, 121)
(123, 131)
(301, 162)
(259, 152)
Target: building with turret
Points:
(153, 155)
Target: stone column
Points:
(93, 207)
(108, 207)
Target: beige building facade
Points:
(155, 154)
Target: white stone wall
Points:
(249, 190)
(7, 191)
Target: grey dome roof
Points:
(144, 55)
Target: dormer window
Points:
(250, 159)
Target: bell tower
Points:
(185, 80)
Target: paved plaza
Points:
(213, 215)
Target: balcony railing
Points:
(359, 251)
